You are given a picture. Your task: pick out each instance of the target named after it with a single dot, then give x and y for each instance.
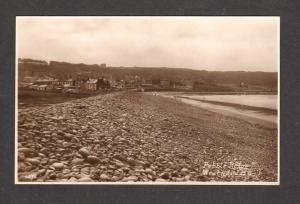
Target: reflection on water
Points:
(255, 101)
(264, 101)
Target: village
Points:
(63, 77)
(88, 84)
(88, 81)
(145, 114)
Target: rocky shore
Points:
(127, 137)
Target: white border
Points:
(277, 183)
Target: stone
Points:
(44, 161)
(58, 166)
(179, 179)
(52, 176)
(149, 171)
(187, 178)
(115, 178)
(160, 180)
(72, 179)
(51, 161)
(174, 174)
(24, 150)
(41, 172)
(104, 177)
(164, 175)
(41, 155)
(29, 177)
(130, 178)
(92, 159)
(33, 161)
(66, 144)
(85, 170)
(119, 164)
(66, 171)
(68, 135)
(77, 161)
(21, 156)
(184, 171)
(84, 152)
(85, 179)
(131, 162)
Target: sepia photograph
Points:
(153, 100)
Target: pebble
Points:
(164, 175)
(104, 177)
(184, 171)
(85, 179)
(58, 166)
(85, 170)
(160, 180)
(122, 141)
(84, 152)
(130, 178)
(33, 161)
(93, 159)
(77, 161)
(24, 150)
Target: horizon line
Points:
(146, 67)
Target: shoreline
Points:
(142, 138)
(235, 105)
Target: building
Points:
(146, 87)
(49, 87)
(69, 86)
(92, 84)
(80, 83)
(118, 84)
(57, 82)
(41, 87)
(104, 83)
(29, 79)
(132, 82)
(43, 81)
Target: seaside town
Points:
(142, 101)
(93, 81)
(88, 82)
(119, 134)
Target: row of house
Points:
(69, 85)
(158, 84)
(85, 83)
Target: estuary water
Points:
(261, 109)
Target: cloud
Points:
(212, 43)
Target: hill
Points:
(68, 70)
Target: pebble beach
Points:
(137, 137)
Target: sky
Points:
(203, 43)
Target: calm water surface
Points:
(264, 101)
(259, 101)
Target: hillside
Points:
(67, 70)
